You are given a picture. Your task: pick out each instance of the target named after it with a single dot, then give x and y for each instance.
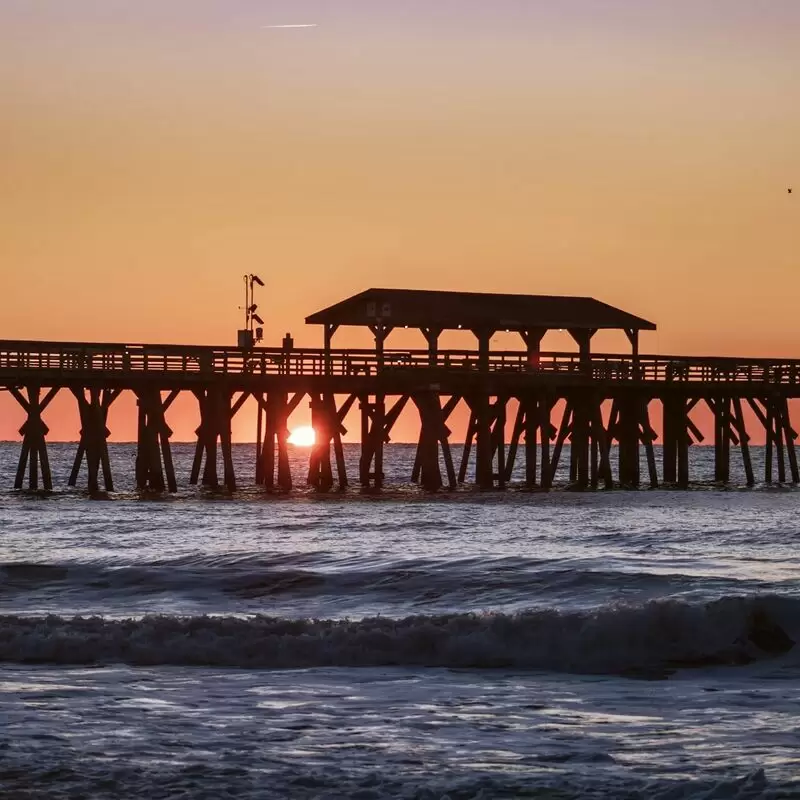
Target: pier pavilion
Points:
(432, 313)
(605, 400)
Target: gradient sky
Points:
(634, 150)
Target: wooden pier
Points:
(606, 402)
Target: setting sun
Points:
(304, 436)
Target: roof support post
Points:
(432, 337)
(533, 341)
(583, 336)
(330, 329)
(483, 335)
(633, 338)
(380, 331)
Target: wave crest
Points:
(657, 635)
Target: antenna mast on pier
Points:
(248, 336)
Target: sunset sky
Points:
(638, 151)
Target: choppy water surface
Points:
(623, 644)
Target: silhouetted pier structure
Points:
(605, 400)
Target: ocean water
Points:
(626, 644)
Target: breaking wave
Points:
(658, 635)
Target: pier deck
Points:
(65, 364)
(606, 400)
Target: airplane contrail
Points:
(297, 25)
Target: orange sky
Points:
(636, 151)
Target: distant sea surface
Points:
(625, 644)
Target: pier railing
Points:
(66, 359)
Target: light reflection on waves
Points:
(613, 639)
(223, 583)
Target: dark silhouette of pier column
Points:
(327, 421)
(671, 431)
(33, 454)
(94, 435)
(433, 434)
(721, 408)
(498, 411)
(773, 413)
(320, 472)
(628, 436)
(486, 428)
(589, 440)
(216, 413)
(277, 409)
(373, 438)
(153, 452)
(483, 440)
(579, 441)
(524, 423)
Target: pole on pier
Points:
(320, 472)
(373, 437)
(563, 431)
(430, 413)
(589, 441)
(433, 434)
(328, 428)
(277, 408)
(217, 409)
(765, 417)
(483, 440)
(648, 438)
(721, 409)
(337, 417)
(498, 439)
(579, 440)
(521, 426)
(601, 442)
(486, 428)
(259, 437)
(93, 445)
(629, 436)
(684, 441)
(780, 437)
(153, 453)
(791, 436)
(671, 431)
(775, 419)
(547, 433)
(33, 454)
(533, 421)
(469, 437)
(744, 440)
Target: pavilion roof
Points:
(475, 310)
